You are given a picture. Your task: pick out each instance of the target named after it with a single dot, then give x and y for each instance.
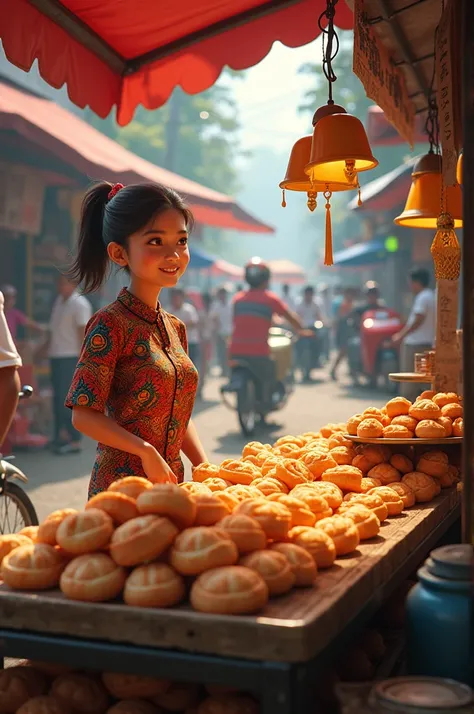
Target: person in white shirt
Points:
(221, 317)
(69, 317)
(9, 380)
(419, 332)
(187, 313)
(309, 311)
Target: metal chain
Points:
(330, 43)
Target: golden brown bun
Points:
(253, 448)
(343, 531)
(228, 499)
(85, 532)
(317, 542)
(331, 493)
(167, 499)
(292, 472)
(229, 704)
(397, 431)
(353, 423)
(192, 487)
(180, 697)
(36, 566)
(375, 453)
(370, 428)
(360, 461)
(301, 514)
(18, 685)
(427, 394)
(348, 478)
(274, 518)
(44, 705)
(142, 539)
(364, 520)
(369, 500)
(423, 486)
(154, 585)
(288, 451)
(315, 502)
(402, 463)
(408, 422)
(405, 492)
(202, 548)
(450, 478)
(247, 533)
(298, 441)
(447, 423)
(242, 493)
(453, 411)
(343, 455)
(93, 577)
(301, 563)
(233, 590)
(271, 460)
(30, 532)
(339, 439)
(384, 473)
(444, 398)
(317, 462)
(433, 463)
(274, 569)
(378, 414)
(425, 409)
(133, 706)
(430, 429)
(397, 407)
(269, 484)
(131, 486)
(391, 499)
(210, 509)
(10, 541)
(204, 471)
(458, 427)
(133, 686)
(84, 694)
(237, 471)
(47, 529)
(215, 483)
(369, 482)
(118, 506)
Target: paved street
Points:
(61, 481)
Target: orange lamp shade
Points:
(424, 203)
(459, 170)
(296, 179)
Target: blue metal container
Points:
(440, 611)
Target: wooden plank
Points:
(293, 628)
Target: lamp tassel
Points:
(283, 198)
(446, 250)
(328, 256)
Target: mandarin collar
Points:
(138, 307)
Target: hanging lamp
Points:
(459, 170)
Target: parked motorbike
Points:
(257, 394)
(371, 353)
(309, 350)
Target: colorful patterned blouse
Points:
(134, 367)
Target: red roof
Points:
(93, 154)
(125, 53)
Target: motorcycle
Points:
(256, 395)
(310, 349)
(371, 353)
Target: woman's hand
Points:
(155, 467)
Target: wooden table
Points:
(275, 654)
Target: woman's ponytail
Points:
(91, 263)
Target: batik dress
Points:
(134, 367)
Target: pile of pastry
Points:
(432, 416)
(43, 688)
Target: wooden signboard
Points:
(447, 350)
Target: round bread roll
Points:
(154, 585)
(242, 493)
(317, 542)
(228, 499)
(370, 428)
(384, 473)
(398, 406)
(453, 411)
(292, 473)
(233, 590)
(247, 533)
(210, 509)
(450, 478)
(368, 483)
(375, 413)
(205, 471)
(458, 427)
(36, 566)
(343, 531)
(424, 409)
(167, 499)
(202, 548)
(444, 398)
(142, 539)
(85, 695)
(397, 431)
(30, 532)
(258, 459)
(93, 577)
(375, 453)
(85, 531)
(44, 705)
(430, 429)
(254, 448)
(288, 439)
(134, 686)
(433, 463)
(269, 484)
(328, 429)
(331, 493)
(447, 424)
(214, 483)
(364, 520)
(237, 471)
(315, 502)
(271, 460)
(427, 394)
(118, 506)
(361, 462)
(316, 445)
(47, 529)
(402, 463)
(348, 478)
(274, 518)
(353, 423)
(405, 492)
(192, 487)
(180, 697)
(318, 462)
(133, 706)
(10, 541)
(301, 563)
(372, 501)
(424, 487)
(301, 515)
(391, 499)
(274, 569)
(343, 455)
(339, 439)
(229, 704)
(131, 486)
(288, 451)
(408, 422)
(18, 685)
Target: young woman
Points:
(134, 386)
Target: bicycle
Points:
(12, 495)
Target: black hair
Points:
(308, 289)
(420, 275)
(114, 220)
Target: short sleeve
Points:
(92, 380)
(83, 311)
(9, 356)
(422, 304)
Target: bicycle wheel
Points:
(16, 509)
